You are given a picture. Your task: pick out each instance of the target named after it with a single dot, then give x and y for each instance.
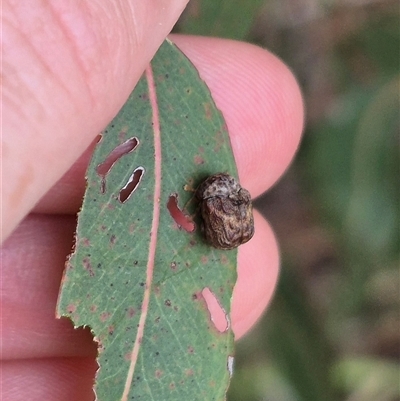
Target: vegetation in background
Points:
(332, 331)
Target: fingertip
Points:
(258, 270)
(261, 102)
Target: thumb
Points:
(68, 67)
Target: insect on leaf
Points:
(141, 274)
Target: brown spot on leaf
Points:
(190, 349)
(71, 308)
(144, 96)
(104, 316)
(198, 160)
(88, 266)
(85, 242)
(224, 259)
(122, 134)
(158, 373)
(204, 259)
(131, 312)
(196, 296)
(207, 111)
(219, 140)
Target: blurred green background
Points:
(332, 331)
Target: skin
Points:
(68, 67)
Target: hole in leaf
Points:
(217, 312)
(230, 365)
(131, 185)
(180, 218)
(103, 168)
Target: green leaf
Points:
(143, 284)
(231, 19)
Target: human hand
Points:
(67, 69)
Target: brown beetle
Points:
(226, 210)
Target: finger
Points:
(33, 261)
(68, 69)
(258, 269)
(61, 379)
(261, 104)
